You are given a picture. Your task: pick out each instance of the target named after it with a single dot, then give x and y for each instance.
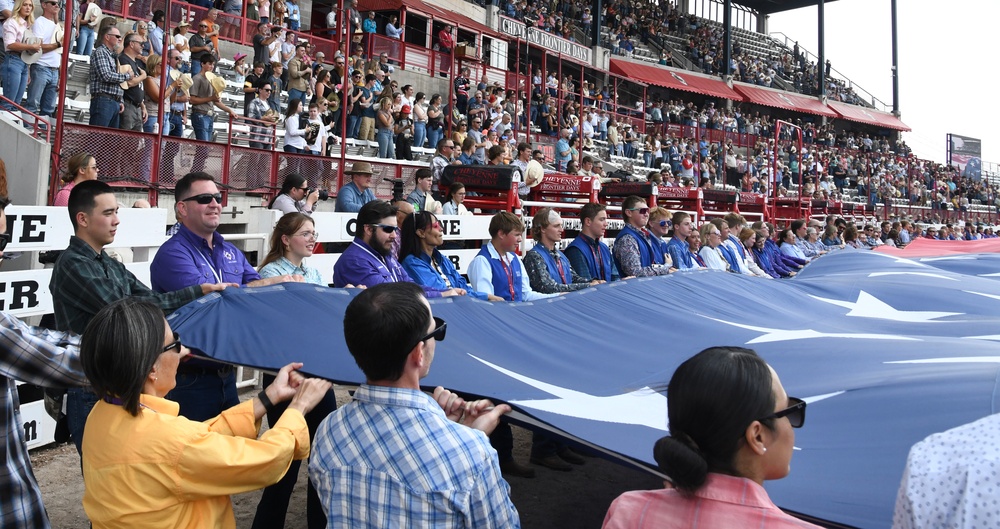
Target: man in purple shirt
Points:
(369, 260)
(198, 254)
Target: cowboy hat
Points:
(360, 168)
(535, 174)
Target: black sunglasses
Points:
(205, 198)
(386, 227)
(796, 413)
(176, 344)
(440, 328)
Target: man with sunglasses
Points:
(85, 279)
(634, 253)
(369, 260)
(437, 454)
(105, 90)
(198, 254)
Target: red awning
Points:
(430, 10)
(676, 79)
(868, 116)
(786, 100)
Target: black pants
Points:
(273, 506)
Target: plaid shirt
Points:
(391, 458)
(36, 356)
(83, 282)
(104, 76)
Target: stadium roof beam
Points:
(767, 7)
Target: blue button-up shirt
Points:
(350, 198)
(283, 267)
(185, 260)
(391, 458)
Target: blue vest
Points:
(659, 249)
(730, 257)
(501, 283)
(739, 245)
(587, 251)
(567, 273)
(680, 253)
(645, 248)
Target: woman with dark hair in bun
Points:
(731, 428)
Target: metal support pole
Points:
(895, 63)
(63, 70)
(821, 66)
(727, 39)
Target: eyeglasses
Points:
(440, 328)
(308, 235)
(176, 344)
(205, 198)
(436, 225)
(386, 228)
(119, 37)
(665, 223)
(202, 26)
(642, 211)
(715, 233)
(265, 89)
(4, 240)
(796, 413)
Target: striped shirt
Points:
(391, 458)
(36, 356)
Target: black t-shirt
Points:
(135, 94)
(260, 53)
(196, 41)
(252, 81)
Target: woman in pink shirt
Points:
(731, 428)
(80, 167)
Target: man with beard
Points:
(369, 260)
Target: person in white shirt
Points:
(43, 88)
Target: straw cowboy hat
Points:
(217, 82)
(360, 168)
(535, 174)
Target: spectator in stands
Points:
(152, 95)
(262, 41)
(133, 114)
(587, 254)
(262, 136)
(369, 260)
(85, 279)
(731, 428)
(294, 17)
(43, 86)
(393, 29)
(711, 255)
(677, 246)
(564, 152)
(367, 101)
(384, 124)
(443, 156)
(403, 134)
(35, 356)
(748, 240)
(90, 17)
(446, 42)
(316, 132)
(788, 246)
(422, 236)
(295, 128)
(658, 227)
(200, 44)
(633, 250)
(294, 197)
(180, 42)
(547, 267)
(432, 452)
(801, 231)
(468, 151)
(421, 197)
(357, 192)
(203, 96)
(454, 200)
(292, 241)
(197, 253)
(251, 86)
(105, 92)
(299, 74)
(138, 443)
(435, 121)
(80, 168)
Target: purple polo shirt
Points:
(362, 265)
(186, 260)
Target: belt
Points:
(200, 370)
(177, 112)
(109, 96)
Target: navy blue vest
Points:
(567, 273)
(501, 282)
(645, 248)
(581, 244)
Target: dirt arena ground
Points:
(576, 499)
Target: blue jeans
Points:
(353, 125)
(149, 125)
(104, 111)
(79, 402)
(43, 89)
(434, 136)
(419, 134)
(202, 124)
(175, 122)
(386, 147)
(297, 94)
(205, 395)
(85, 43)
(195, 66)
(15, 79)
(293, 25)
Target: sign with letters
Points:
(544, 39)
(43, 228)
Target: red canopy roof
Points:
(670, 78)
(430, 10)
(868, 116)
(786, 100)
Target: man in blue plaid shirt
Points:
(395, 456)
(35, 356)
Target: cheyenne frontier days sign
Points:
(518, 30)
